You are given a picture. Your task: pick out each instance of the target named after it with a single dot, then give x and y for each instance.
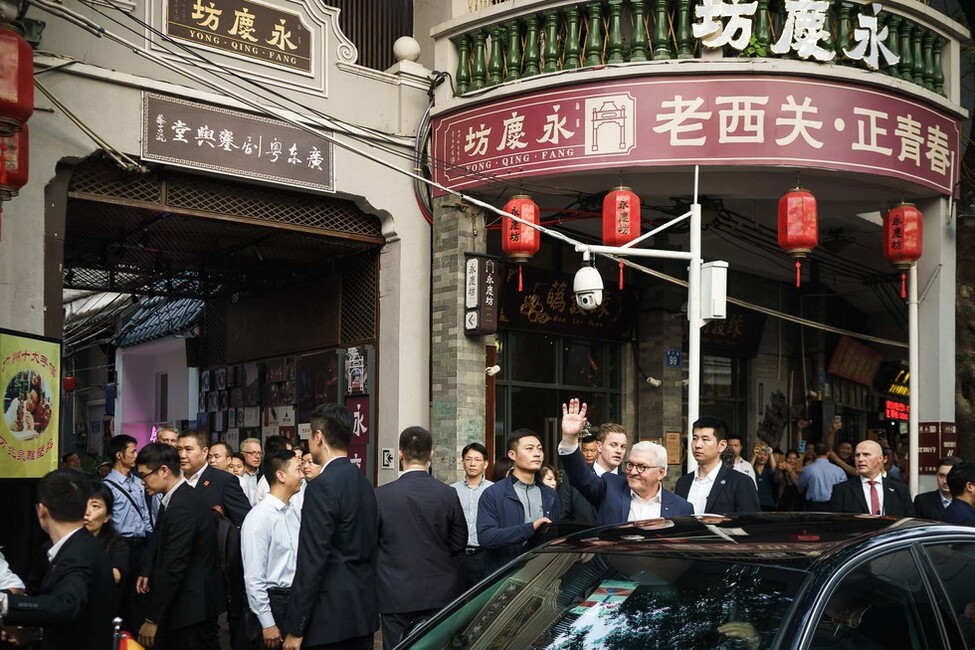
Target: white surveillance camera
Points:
(492, 371)
(588, 288)
(653, 381)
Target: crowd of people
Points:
(298, 550)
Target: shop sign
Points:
(935, 441)
(202, 137)
(547, 305)
(737, 336)
(356, 371)
(900, 386)
(358, 456)
(896, 410)
(30, 378)
(359, 407)
(707, 120)
(481, 291)
(854, 361)
(250, 30)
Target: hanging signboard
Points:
(30, 378)
(481, 292)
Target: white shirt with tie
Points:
(879, 484)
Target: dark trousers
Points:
(355, 643)
(199, 636)
(133, 605)
(471, 565)
(395, 625)
(278, 599)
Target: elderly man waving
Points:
(636, 495)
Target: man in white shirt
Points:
(269, 544)
(250, 448)
(469, 490)
(9, 581)
(611, 444)
(714, 488)
(273, 443)
(736, 445)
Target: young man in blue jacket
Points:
(512, 511)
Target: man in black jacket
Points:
(77, 599)
(931, 505)
(714, 488)
(871, 492)
(184, 586)
(333, 596)
(575, 507)
(422, 530)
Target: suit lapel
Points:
(720, 481)
(859, 496)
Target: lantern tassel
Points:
(621, 275)
(520, 286)
(903, 286)
(798, 274)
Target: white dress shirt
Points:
(8, 579)
(600, 470)
(51, 554)
(645, 509)
(169, 495)
(697, 496)
(865, 484)
(269, 546)
(743, 466)
(248, 481)
(193, 479)
(262, 489)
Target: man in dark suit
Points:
(870, 492)
(422, 530)
(77, 598)
(184, 587)
(333, 596)
(222, 493)
(961, 510)
(714, 488)
(575, 507)
(931, 505)
(636, 496)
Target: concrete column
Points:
(457, 361)
(936, 320)
(661, 408)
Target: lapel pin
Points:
(206, 483)
(722, 482)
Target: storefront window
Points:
(722, 391)
(547, 371)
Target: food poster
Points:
(30, 376)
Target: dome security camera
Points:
(588, 288)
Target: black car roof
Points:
(793, 538)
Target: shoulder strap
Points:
(124, 493)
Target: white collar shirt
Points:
(945, 501)
(269, 548)
(865, 484)
(194, 478)
(53, 551)
(249, 482)
(600, 470)
(743, 466)
(169, 495)
(649, 508)
(700, 489)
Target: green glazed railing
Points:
(611, 32)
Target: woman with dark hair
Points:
(98, 521)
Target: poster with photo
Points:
(223, 400)
(251, 384)
(221, 374)
(30, 377)
(274, 371)
(231, 419)
(232, 437)
(213, 401)
(205, 381)
(317, 382)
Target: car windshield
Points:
(578, 600)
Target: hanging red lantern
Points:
(903, 230)
(16, 80)
(518, 241)
(621, 219)
(70, 383)
(14, 166)
(798, 225)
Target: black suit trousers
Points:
(199, 636)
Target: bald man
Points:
(871, 491)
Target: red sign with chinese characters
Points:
(727, 120)
(896, 410)
(935, 441)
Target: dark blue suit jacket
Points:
(959, 512)
(610, 493)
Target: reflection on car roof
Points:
(772, 537)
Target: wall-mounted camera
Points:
(588, 285)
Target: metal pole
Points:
(913, 381)
(694, 326)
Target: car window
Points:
(955, 566)
(569, 600)
(881, 604)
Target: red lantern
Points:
(621, 219)
(70, 383)
(798, 226)
(903, 230)
(518, 241)
(16, 80)
(14, 165)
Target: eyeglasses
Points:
(253, 453)
(148, 474)
(640, 468)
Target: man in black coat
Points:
(77, 598)
(333, 596)
(870, 492)
(961, 510)
(574, 506)
(422, 530)
(715, 488)
(931, 505)
(185, 594)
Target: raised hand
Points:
(573, 421)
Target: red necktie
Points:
(874, 498)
